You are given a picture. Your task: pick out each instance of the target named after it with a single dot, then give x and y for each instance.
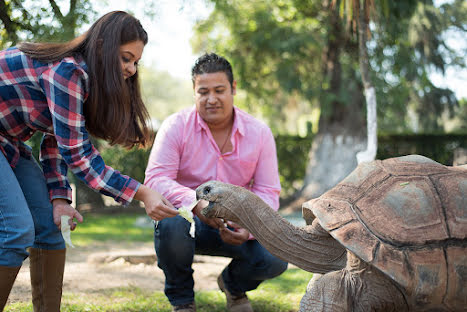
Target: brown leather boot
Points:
(7, 278)
(46, 268)
(235, 303)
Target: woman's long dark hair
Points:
(114, 110)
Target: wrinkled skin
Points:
(310, 248)
(414, 263)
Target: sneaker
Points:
(235, 303)
(187, 307)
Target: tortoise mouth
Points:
(208, 210)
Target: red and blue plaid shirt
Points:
(49, 97)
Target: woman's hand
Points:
(157, 206)
(212, 222)
(61, 207)
(236, 237)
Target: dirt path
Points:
(102, 266)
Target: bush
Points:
(292, 154)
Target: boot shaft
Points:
(46, 269)
(7, 279)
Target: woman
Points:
(67, 91)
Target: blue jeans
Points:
(26, 213)
(251, 263)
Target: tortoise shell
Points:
(406, 216)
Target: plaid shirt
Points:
(49, 97)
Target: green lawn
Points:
(120, 227)
(281, 294)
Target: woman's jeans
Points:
(26, 213)
(251, 263)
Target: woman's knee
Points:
(14, 241)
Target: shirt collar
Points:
(238, 124)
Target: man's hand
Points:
(236, 237)
(212, 222)
(157, 206)
(61, 207)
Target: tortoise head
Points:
(223, 198)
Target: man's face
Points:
(214, 97)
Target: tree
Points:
(32, 21)
(358, 12)
(305, 47)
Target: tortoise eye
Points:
(206, 190)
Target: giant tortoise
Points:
(392, 236)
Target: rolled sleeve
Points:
(55, 169)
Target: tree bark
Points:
(340, 136)
(370, 95)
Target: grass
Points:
(281, 294)
(101, 228)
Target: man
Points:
(212, 141)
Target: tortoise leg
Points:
(371, 290)
(357, 288)
(325, 294)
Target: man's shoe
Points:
(235, 303)
(188, 307)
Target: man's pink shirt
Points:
(185, 155)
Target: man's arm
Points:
(266, 183)
(164, 163)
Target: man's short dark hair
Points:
(211, 63)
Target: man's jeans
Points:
(251, 263)
(26, 214)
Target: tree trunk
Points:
(331, 159)
(370, 95)
(341, 126)
(86, 198)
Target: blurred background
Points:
(302, 66)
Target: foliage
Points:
(282, 46)
(292, 154)
(405, 50)
(130, 162)
(164, 94)
(439, 147)
(275, 49)
(32, 21)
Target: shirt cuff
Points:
(188, 201)
(128, 192)
(64, 193)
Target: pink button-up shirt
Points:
(185, 155)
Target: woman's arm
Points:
(157, 206)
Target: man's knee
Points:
(173, 228)
(172, 235)
(278, 267)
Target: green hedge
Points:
(293, 152)
(439, 147)
(292, 156)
